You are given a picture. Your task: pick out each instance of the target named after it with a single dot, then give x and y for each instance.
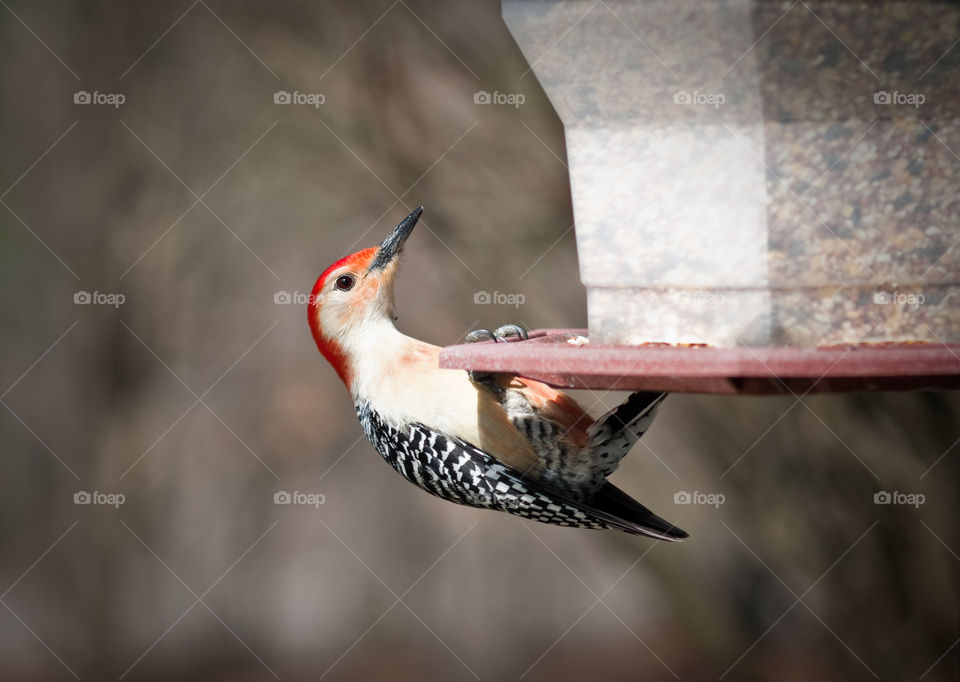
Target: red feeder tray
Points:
(550, 356)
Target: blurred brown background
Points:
(198, 200)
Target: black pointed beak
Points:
(391, 246)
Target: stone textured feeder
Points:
(752, 174)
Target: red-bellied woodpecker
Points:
(485, 440)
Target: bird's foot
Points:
(504, 334)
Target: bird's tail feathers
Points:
(633, 517)
(626, 417)
(615, 433)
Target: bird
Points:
(483, 439)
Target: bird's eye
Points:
(344, 282)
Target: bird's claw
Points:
(478, 335)
(510, 332)
(504, 334)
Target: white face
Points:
(352, 297)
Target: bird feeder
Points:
(764, 195)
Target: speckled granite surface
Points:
(758, 173)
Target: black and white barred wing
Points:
(460, 472)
